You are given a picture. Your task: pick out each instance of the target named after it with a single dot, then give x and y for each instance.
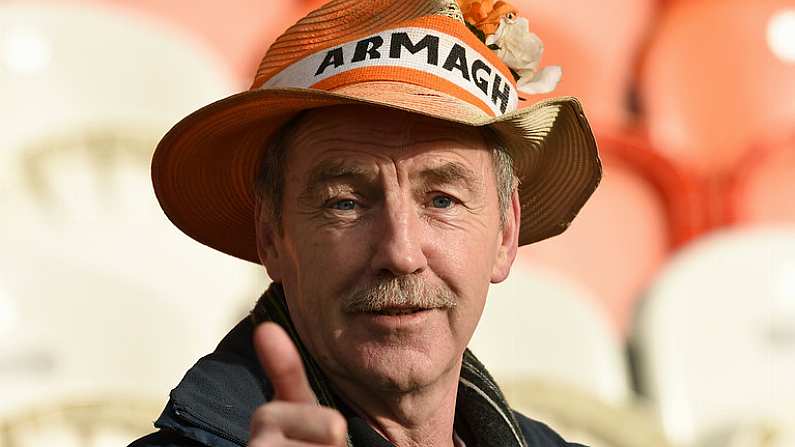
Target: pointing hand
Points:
(293, 418)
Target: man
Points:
(378, 171)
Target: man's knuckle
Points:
(337, 426)
(267, 438)
(266, 416)
(259, 442)
(271, 414)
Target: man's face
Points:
(384, 197)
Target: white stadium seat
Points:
(99, 293)
(716, 335)
(537, 324)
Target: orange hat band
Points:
(421, 55)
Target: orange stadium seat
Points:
(597, 44)
(718, 75)
(644, 208)
(761, 188)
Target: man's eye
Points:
(344, 205)
(442, 202)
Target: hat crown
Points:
(339, 21)
(397, 52)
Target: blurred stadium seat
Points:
(582, 418)
(97, 285)
(237, 32)
(107, 422)
(761, 187)
(597, 44)
(539, 325)
(718, 75)
(58, 75)
(716, 335)
(762, 433)
(644, 209)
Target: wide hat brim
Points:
(204, 168)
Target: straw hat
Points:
(414, 55)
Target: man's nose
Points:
(399, 249)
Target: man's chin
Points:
(397, 369)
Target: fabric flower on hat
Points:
(485, 14)
(510, 37)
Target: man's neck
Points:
(421, 417)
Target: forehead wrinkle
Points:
(400, 130)
(418, 129)
(326, 131)
(336, 143)
(402, 137)
(451, 173)
(329, 170)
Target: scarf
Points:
(481, 409)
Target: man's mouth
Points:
(398, 311)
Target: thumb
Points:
(282, 364)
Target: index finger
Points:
(282, 364)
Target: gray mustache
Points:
(400, 291)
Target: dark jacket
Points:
(213, 403)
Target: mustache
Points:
(398, 291)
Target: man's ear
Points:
(509, 240)
(267, 249)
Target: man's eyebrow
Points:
(451, 173)
(329, 170)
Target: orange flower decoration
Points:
(485, 14)
(509, 36)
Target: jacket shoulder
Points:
(538, 434)
(213, 402)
